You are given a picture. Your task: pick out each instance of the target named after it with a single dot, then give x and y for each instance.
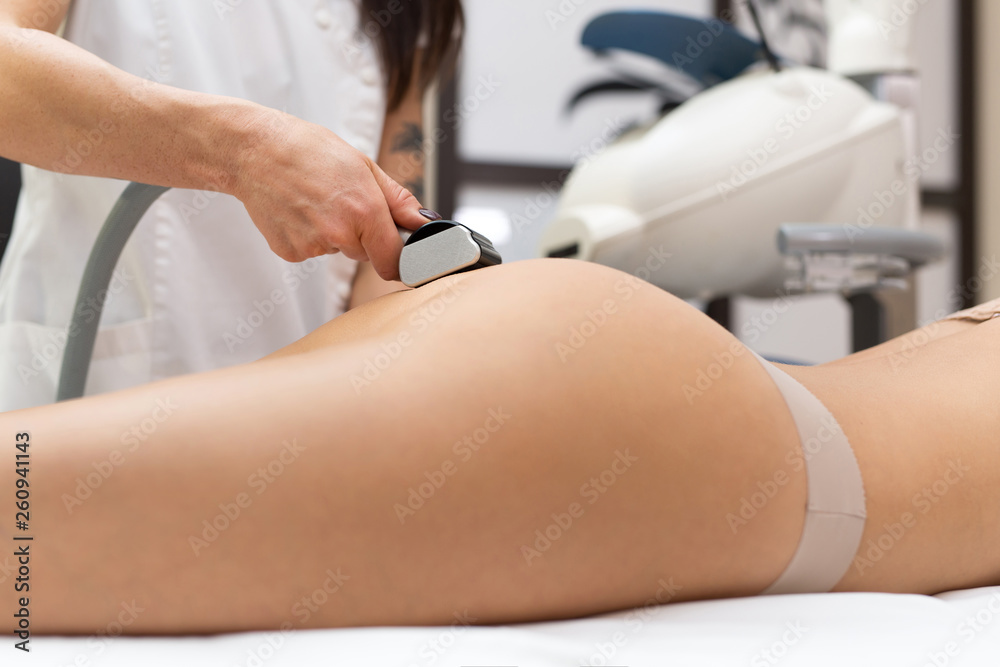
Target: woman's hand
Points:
(310, 193)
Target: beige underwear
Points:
(982, 313)
(835, 506)
(835, 509)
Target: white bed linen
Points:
(956, 628)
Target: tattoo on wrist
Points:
(410, 140)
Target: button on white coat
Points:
(369, 75)
(343, 291)
(324, 19)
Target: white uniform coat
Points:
(197, 287)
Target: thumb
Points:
(403, 206)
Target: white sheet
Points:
(851, 629)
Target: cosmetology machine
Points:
(436, 250)
(773, 181)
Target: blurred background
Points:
(508, 139)
(511, 143)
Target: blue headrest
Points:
(707, 50)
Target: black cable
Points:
(10, 187)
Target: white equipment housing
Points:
(712, 182)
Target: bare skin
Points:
(402, 159)
(599, 447)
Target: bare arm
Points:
(149, 132)
(318, 194)
(402, 157)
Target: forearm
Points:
(93, 119)
(401, 157)
(403, 154)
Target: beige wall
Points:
(988, 137)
